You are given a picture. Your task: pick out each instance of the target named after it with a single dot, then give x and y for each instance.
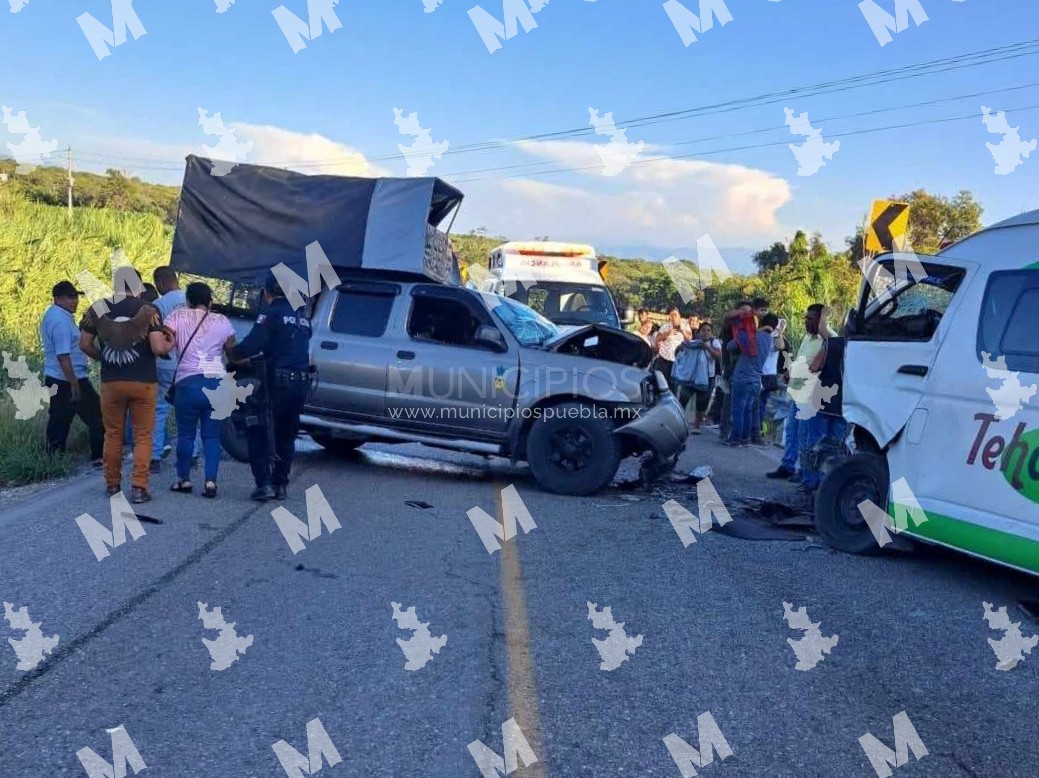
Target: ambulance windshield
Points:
(569, 303)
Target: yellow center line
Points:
(522, 684)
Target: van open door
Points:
(894, 336)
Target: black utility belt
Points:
(292, 376)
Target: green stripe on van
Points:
(990, 543)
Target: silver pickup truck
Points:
(404, 353)
(405, 361)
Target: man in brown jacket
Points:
(126, 335)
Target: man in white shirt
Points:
(669, 337)
(795, 430)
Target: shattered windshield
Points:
(907, 298)
(528, 326)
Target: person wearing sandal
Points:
(202, 337)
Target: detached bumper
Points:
(663, 427)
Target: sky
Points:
(727, 172)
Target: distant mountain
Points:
(739, 260)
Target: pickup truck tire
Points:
(837, 517)
(337, 446)
(573, 456)
(233, 439)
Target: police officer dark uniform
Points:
(282, 335)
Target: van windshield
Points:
(526, 325)
(564, 302)
(905, 300)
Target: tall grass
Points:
(42, 244)
(39, 246)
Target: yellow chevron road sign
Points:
(888, 226)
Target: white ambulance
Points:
(561, 281)
(940, 386)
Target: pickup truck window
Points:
(1010, 320)
(441, 320)
(361, 313)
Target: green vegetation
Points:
(41, 245)
(114, 191)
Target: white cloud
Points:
(656, 201)
(309, 153)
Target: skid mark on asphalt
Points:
(522, 683)
(65, 649)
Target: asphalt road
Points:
(130, 651)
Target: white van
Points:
(927, 405)
(561, 281)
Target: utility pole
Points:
(68, 151)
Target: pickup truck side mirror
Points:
(490, 337)
(628, 317)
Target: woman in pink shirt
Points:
(203, 338)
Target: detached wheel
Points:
(571, 452)
(837, 516)
(337, 446)
(233, 438)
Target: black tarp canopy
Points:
(240, 225)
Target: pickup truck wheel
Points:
(571, 452)
(233, 439)
(337, 446)
(837, 516)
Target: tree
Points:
(799, 249)
(817, 249)
(772, 257)
(935, 220)
(856, 247)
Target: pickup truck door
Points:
(440, 381)
(350, 351)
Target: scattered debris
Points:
(628, 485)
(418, 504)
(780, 514)
(755, 529)
(694, 476)
(315, 571)
(148, 519)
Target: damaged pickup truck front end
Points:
(588, 387)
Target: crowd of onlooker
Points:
(724, 378)
(153, 343)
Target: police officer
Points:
(282, 336)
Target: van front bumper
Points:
(662, 427)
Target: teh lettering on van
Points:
(996, 450)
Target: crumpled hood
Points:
(597, 341)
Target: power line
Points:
(671, 158)
(947, 64)
(860, 114)
(931, 67)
